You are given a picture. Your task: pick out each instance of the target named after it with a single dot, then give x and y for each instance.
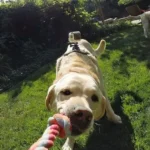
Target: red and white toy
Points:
(58, 125)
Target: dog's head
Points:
(78, 96)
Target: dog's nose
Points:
(80, 121)
(83, 115)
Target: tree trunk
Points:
(100, 13)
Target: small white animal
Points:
(145, 18)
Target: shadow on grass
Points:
(110, 136)
(17, 89)
(43, 63)
(133, 46)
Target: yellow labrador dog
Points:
(78, 90)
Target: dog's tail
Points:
(101, 47)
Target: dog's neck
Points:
(75, 47)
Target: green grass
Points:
(126, 69)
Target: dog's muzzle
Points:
(80, 121)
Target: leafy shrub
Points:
(31, 28)
(127, 1)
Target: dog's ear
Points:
(50, 96)
(100, 110)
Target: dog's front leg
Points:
(110, 113)
(145, 24)
(145, 27)
(69, 144)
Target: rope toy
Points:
(58, 125)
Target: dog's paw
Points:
(67, 147)
(115, 118)
(69, 144)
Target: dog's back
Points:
(79, 62)
(82, 61)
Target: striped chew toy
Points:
(58, 125)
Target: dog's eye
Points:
(94, 98)
(66, 92)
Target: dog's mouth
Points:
(80, 121)
(76, 130)
(79, 126)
